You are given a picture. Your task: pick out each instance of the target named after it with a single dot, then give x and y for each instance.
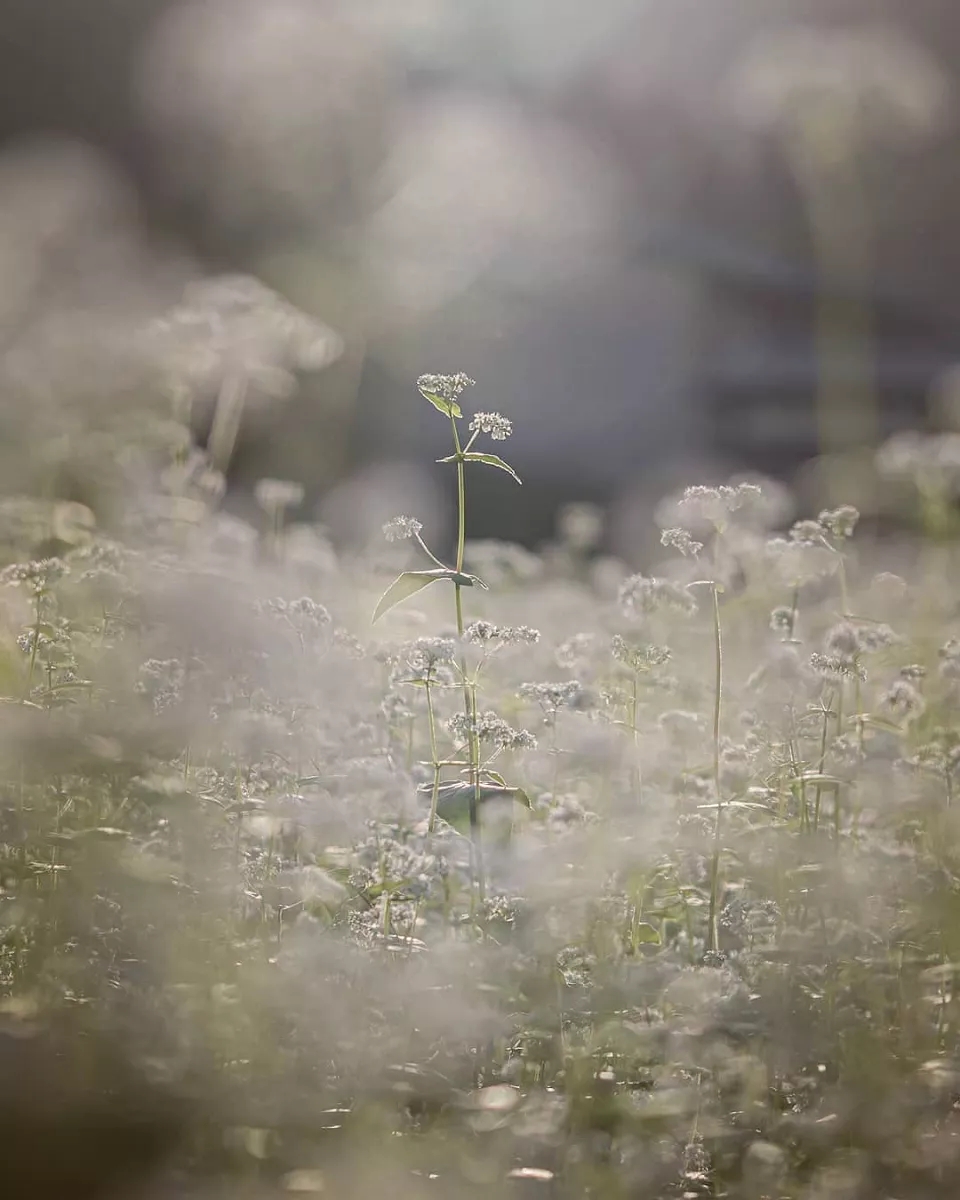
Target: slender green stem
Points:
(469, 694)
(34, 646)
(429, 553)
(717, 700)
(634, 710)
(821, 765)
(432, 724)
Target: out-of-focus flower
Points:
(896, 89)
(401, 528)
(275, 494)
(485, 633)
(234, 326)
(680, 540)
(640, 596)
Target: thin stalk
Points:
(469, 701)
(836, 794)
(717, 701)
(634, 708)
(34, 646)
(227, 419)
(432, 725)
(821, 765)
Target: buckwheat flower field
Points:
(480, 874)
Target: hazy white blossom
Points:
(837, 667)
(234, 325)
(639, 658)
(949, 655)
(782, 620)
(803, 557)
(894, 86)
(875, 635)
(275, 494)
(305, 615)
(576, 651)
(681, 724)
(426, 653)
(681, 540)
(715, 505)
(161, 681)
(927, 461)
(843, 640)
(39, 576)
(487, 634)
(840, 522)
(736, 768)
(641, 595)
(580, 526)
(807, 533)
(500, 563)
(903, 699)
(489, 727)
(400, 528)
(553, 696)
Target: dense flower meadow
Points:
(498, 874)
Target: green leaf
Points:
(411, 582)
(468, 581)
(492, 460)
(447, 407)
(453, 803)
(645, 934)
(405, 586)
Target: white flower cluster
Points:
(497, 426)
(638, 658)
(680, 540)
(714, 505)
(447, 387)
(274, 495)
(553, 696)
(40, 576)
(488, 727)
(485, 633)
(401, 528)
(426, 653)
(641, 595)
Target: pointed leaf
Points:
(492, 460)
(447, 407)
(407, 585)
(468, 580)
(453, 804)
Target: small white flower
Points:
(680, 539)
(639, 596)
(840, 522)
(714, 505)
(401, 528)
(497, 426)
(447, 387)
(485, 633)
(274, 495)
(641, 658)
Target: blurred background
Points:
(670, 240)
